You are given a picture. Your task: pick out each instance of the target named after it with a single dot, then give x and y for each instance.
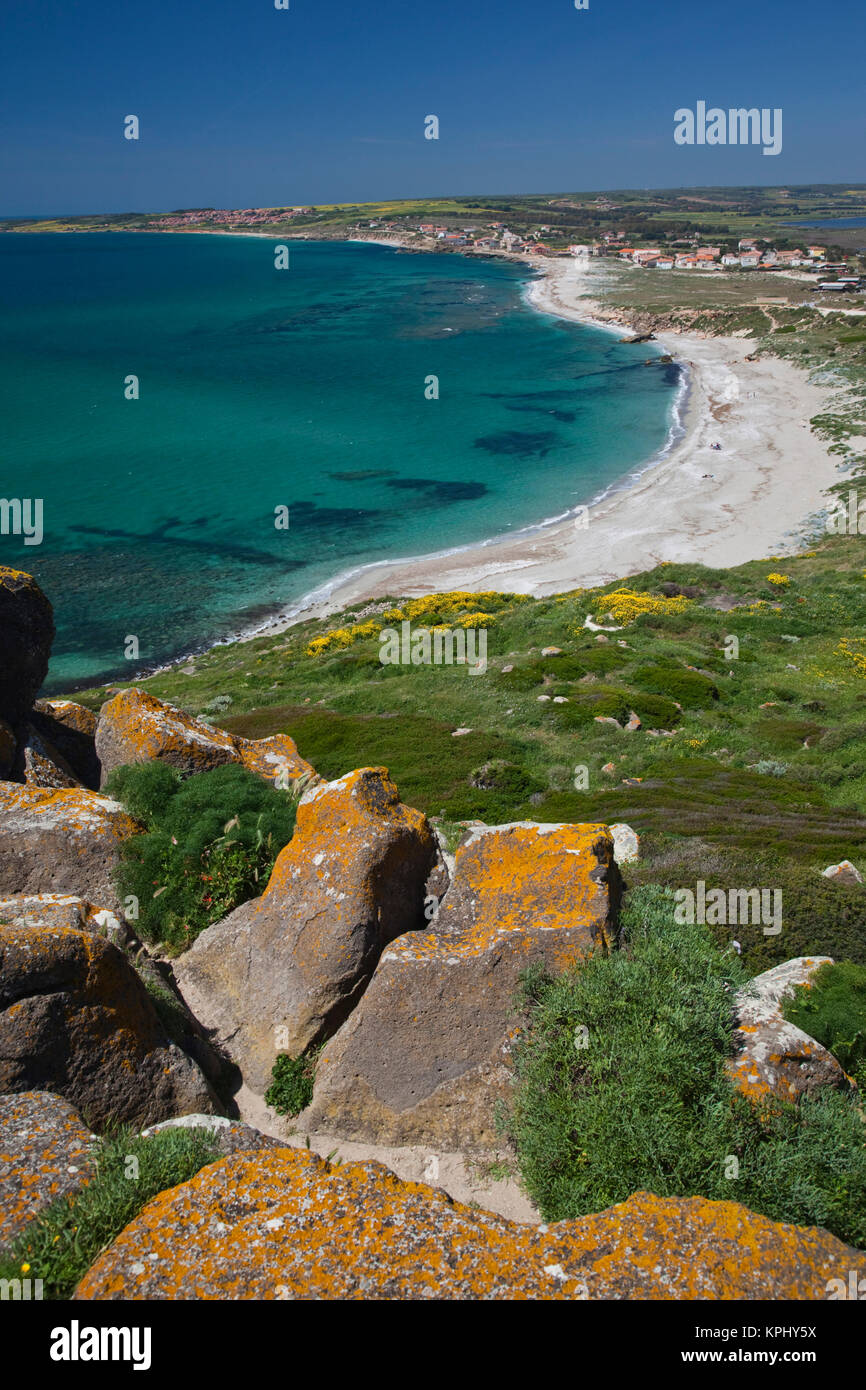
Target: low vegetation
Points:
(209, 845)
(61, 1244)
(291, 1088)
(748, 767)
(833, 1010)
(622, 1087)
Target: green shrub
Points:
(691, 689)
(621, 1086)
(211, 846)
(291, 1088)
(833, 1009)
(656, 711)
(145, 789)
(597, 701)
(62, 1243)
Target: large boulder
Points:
(46, 1153)
(285, 1225)
(135, 727)
(66, 841)
(424, 1058)
(283, 971)
(774, 1057)
(26, 634)
(76, 1019)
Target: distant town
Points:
(722, 231)
(684, 253)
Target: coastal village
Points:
(496, 238)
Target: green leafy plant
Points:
(62, 1243)
(833, 1009)
(210, 845)
(621, 1086)
(291, 1088)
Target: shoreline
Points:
(721, 508)
(687, 503)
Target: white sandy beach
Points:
(768, 477)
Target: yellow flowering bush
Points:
(341, 637)
(854, 651)
(781, 581)
(474, 620)
(624, 605)
(449, 605)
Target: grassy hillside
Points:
(748, 771)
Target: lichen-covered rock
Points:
(284, 1225)
(60, 841)
(26, 634)
(39, 763)
(135, 727)
(773, 1056)
(71, 729)
(45, 1153)
(283, 971)
(424, 1057)
(63, 910)
(76, 1019)
(276, 759)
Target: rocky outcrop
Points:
(38, 763)
(65, 841)
(76, 1019)
(284, 1225)
(26, 634)
(135, 727)
(283, 971)
(46, 1152)
(71, 729)
(773, 1056)
(424, 1056)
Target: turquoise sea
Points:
(301, 388)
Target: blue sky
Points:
(241, 104)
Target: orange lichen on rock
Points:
(424, 1057)
(775, 1057)
(76, 1019)
(63, 841)
(26, 635)
(511, 880)
(45, 1153)
(276, 759)
(283, 971)
(283, 1224)
(135, 727)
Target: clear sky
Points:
(242, 104)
